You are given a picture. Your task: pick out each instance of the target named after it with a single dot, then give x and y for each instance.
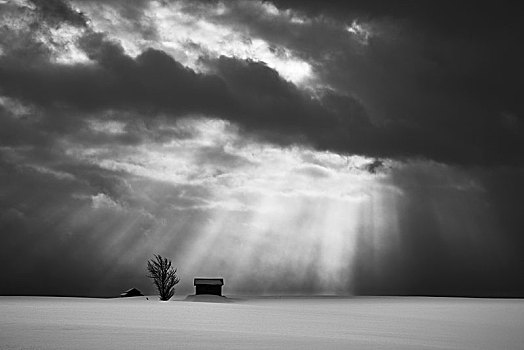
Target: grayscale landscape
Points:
(261, 174)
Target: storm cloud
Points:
(382, 113)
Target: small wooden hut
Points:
(211, 286)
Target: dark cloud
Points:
(377, 164)
(154, 82)
(400, 99)
(435, 79)
(246, 92)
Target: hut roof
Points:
(212, 281)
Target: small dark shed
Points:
(133, 292)
(209, 286)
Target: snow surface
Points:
(261, 323)
(206, 298)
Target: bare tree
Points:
(163, 275)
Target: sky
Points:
(291, 147)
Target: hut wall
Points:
(208, 289)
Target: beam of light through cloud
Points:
(272, 214)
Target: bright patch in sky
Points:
(189, 36)
(218, 155)
(108, 127)
(360, 31)
(63, 41)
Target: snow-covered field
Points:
(261, 323)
